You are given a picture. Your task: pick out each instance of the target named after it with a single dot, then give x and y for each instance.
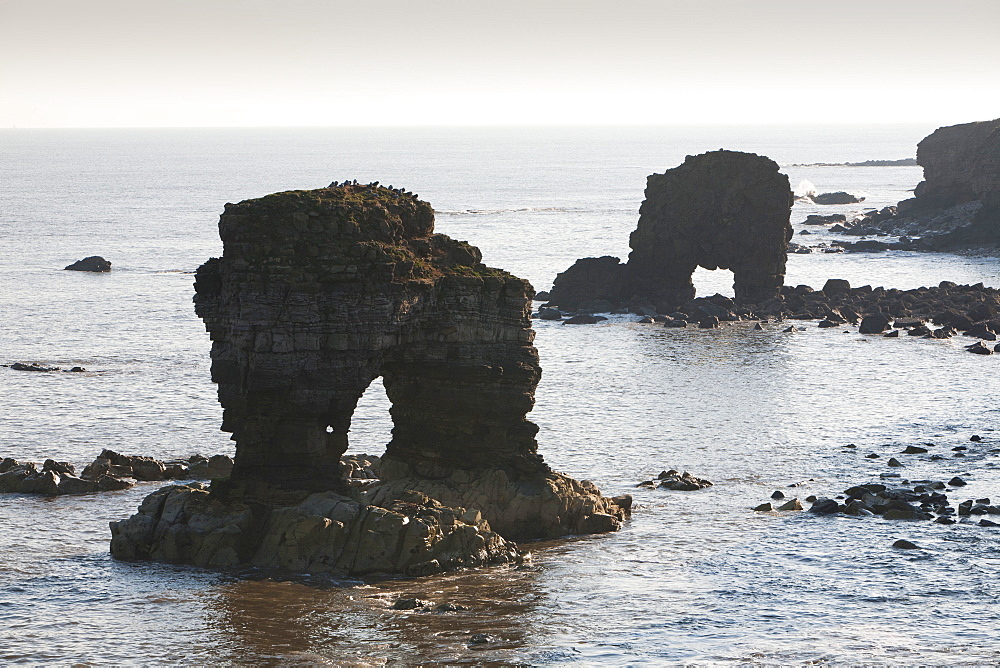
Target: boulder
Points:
(682, 482)
(825, 220)
(875, 323)
(839, 197)
(825, 507)
(584, 319)
(836, 286)
(94, 263)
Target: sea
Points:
(694, 578)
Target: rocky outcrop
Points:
(718, 210)
(109, 472)
(320, 292)
(957, 205)
(35, 366)
(94, 263)
(839, 197)
(326, 532)
(676, 481)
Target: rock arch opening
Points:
(709, 282)
(371, 423)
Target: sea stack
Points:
(317, 294)
(957, 205)
(718, 210)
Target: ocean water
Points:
(693, 578)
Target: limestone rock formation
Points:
(957, 205)
(320, 292)
(718, 210)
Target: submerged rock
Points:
(903, 544)
(94, 263)
(675, 480)
(839, 197)
(791, 504)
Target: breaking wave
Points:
(805, 189)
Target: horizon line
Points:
(479, 125)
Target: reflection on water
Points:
(314, 621)
(695, 577)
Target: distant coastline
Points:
(903, 162)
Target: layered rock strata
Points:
(317, 294)
(957, 205)
(326, 532)
(718, 210)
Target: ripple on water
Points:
(693, 578)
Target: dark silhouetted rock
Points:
(825, 220)
(683, 482)
(874, 324)
(957, 205)
(584, 319)
(549, 314)
(902, 544)
(839, 197)
(718, 210)
(980, 349)
(33, 366)
(836, 286)
(825, 507)
(318, 293)
(93, 263)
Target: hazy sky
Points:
(83, 63)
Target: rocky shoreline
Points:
(957, 205)
(937, 312)
(109, 472)
(325, 532)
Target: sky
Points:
(212, 63)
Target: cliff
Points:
(957, 205)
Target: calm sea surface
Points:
(695, 577)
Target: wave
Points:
(805, 189)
